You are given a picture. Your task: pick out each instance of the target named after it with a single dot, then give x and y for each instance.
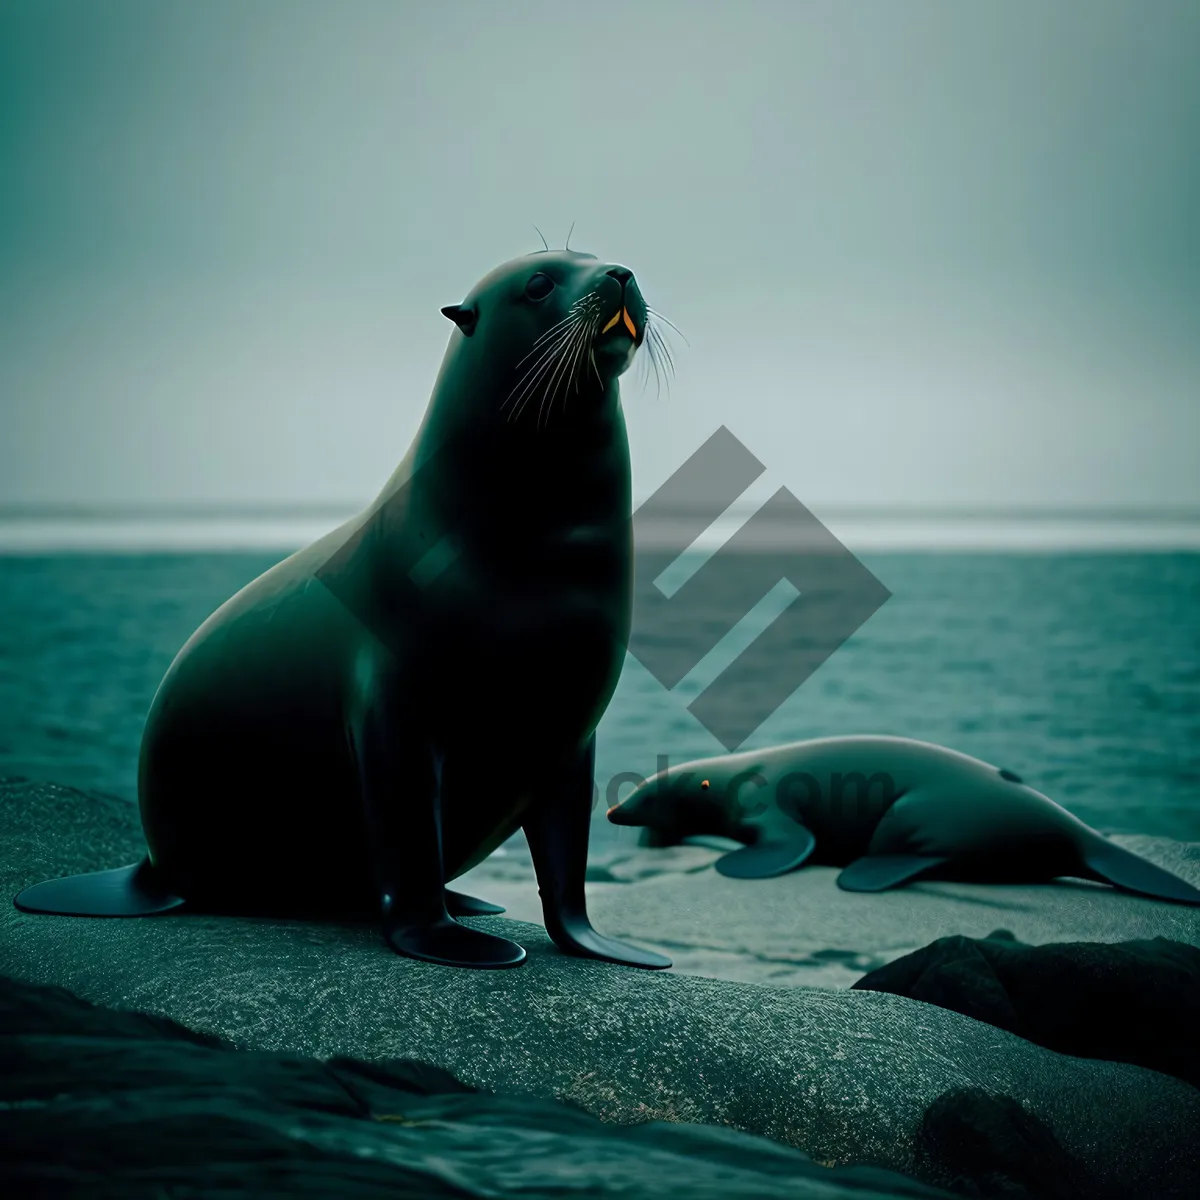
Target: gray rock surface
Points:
(109, 1105)
(842, 1075)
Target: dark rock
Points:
(101, 1103)
(1134, 1002)
(978, 1144)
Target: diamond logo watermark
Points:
(783, 574)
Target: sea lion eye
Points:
(539, 286)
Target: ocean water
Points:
(1078, 670)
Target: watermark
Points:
(393, 566)
(781, 543)
(862, 795)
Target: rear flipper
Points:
(1126, 870)
(879, 872)
(458, 904)
(131, 891)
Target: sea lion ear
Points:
(464, 318)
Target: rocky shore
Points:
(846, 1077)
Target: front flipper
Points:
(400, 776)
(772, 856)
(458, 904)
(557, 825)
(1126, 870)
(442, 940)
(879, 872)
(131, 891)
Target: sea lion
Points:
(888, 809)
(379, 711)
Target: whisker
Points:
(551, 388)
(547, 366)
(660, 343)
(548, 347)
(652, 365)
(558, 359)
(571, 352)
(643, 361)
(535, 370)
(660, 355)
(563, 334)
(659, 316)
(585, 302)
(571, 359)
(652, 356)
(538, 373)
(577, 360)
(586, 333)
(550, 333)
(549, 356)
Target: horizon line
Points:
(162, 533)
(150, 510)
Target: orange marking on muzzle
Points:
(624, 316)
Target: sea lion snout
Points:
(649, 801)
(619, 814)
(624, 312)
(669, 803)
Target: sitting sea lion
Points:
(889, 810)
(379, 711)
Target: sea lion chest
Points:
(522, 627)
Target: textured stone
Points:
(845, 1076)
(119, 1106)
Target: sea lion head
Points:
(695, 799)
(540, 330)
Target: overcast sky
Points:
(924, 253)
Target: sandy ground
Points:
(802, 930)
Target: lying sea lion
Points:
(889, 810)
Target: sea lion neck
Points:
(472, 395)
(575, 473)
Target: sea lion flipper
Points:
(879, 872)
(131, 891)
(458, 904)
(1132, 873)
(396, 759)
(557, 825)
(769, 857)
(449, 944)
